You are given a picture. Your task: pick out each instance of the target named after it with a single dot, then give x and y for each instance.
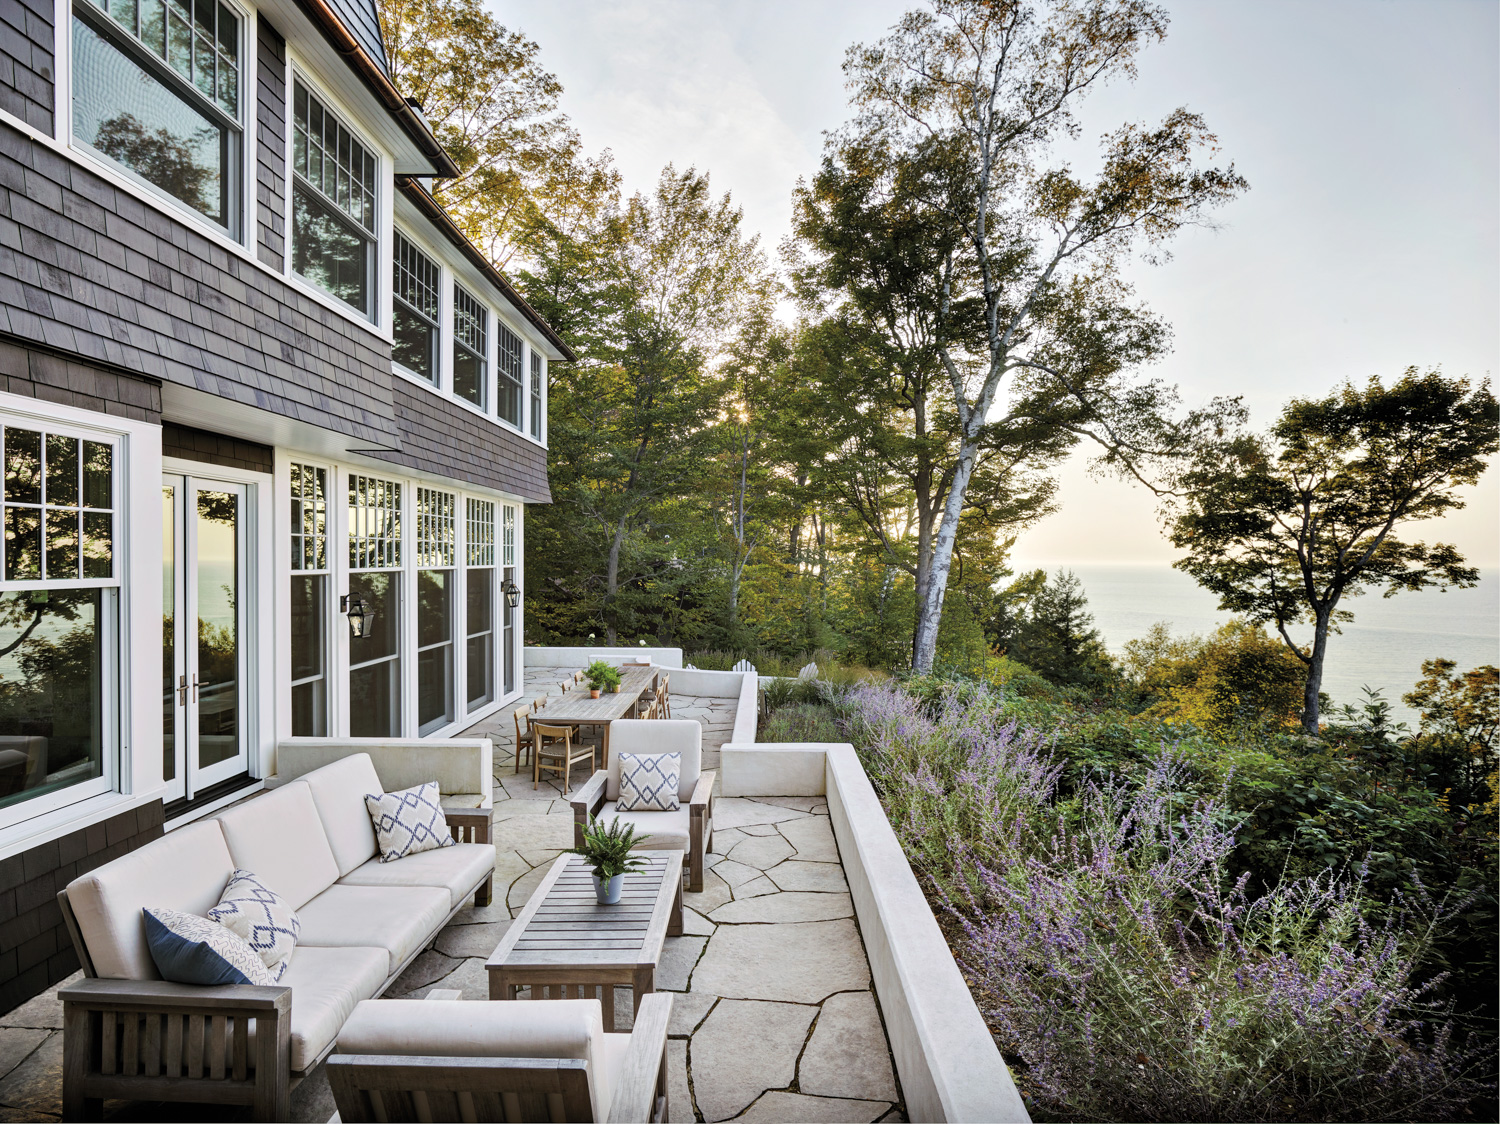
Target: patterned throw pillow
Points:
(408, 822)
(194, 950)
(261, 917)
(648, 783)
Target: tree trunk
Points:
(612, 581)
(930, 609)
(1314, 685)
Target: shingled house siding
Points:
(87, 269)
(51, 378)
(26, 67)
(439, 436)
(270, 146)
(215, 448)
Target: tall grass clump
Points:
(1123, 970)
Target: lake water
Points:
(1384, 647)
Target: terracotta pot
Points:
(593, 692)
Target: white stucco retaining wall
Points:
(949, 1065)
(542, 656)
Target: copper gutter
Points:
(380, 85)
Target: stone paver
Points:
(771, 1018)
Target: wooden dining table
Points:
(575, 708)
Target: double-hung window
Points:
(333, 204)
(479, 615)
(470, 344)
(156, 89)
(309, 600)
(437, 513)
(415, 311)
(537, 379)
(375, 582)
(508, 350)
(59, 606)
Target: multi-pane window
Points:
(333, 204)
(537, 378)
(470, 345)
(508, 561)
(415, 310)
(436, 513)
(508, 360)
(58, 606)
(479, 615)
(375, 584)
(156, 88)
(309, 600)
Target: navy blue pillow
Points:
(194, 950)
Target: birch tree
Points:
(962, 107)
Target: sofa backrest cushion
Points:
(459, 765)
(338, 791)
(560, 1028)
(279, 835)
(656, 735)
(186, 870)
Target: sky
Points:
(1369, 131)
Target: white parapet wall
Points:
(540, 656)
(949, 1065)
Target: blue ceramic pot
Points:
(608, 890)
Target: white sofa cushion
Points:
(669, 831)
(459, 765)
(408, 822)
(656, 735)
(339, 790)
(458, 869)
(649, 781)
(280, 837)
(326, 985)
(186, 870)
(260, 917)
(399, 919)
(554, 1028)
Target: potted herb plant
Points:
(602, 675)
(607, 851)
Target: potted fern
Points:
(602, 675)
(607, 851)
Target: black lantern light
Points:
(358, 612)
(512, 593)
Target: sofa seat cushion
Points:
(185, 870)
(327, 984)
(339, 790)
(669, 831)
(458, 869)
(279, 835)
(399, 919)
(453, 1028)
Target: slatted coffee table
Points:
(565, 945)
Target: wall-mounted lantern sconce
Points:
(512, 593)
(359, 615)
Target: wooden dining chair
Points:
(664, 695)
(554, 752)
(522, 716)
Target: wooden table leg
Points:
(674, 922)
(643, 982)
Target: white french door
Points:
(205, 664)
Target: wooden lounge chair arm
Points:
(701, 802)
(645, 1060)
(590, 798)
(141, 995)
(469, 825)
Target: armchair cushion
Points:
(279, 835)
(260, 917)
(457, 869)
(669, 831)
(408, 822)
(339, 790)
(194, 950)
(660, 735)
(648, 782)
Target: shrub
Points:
(801, 722)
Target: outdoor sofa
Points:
(690, 828)
(129, 1034)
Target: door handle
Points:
(182, 689)
(195, 687)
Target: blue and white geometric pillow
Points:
(649, 783)
(194, 950)
(408, 822)
(261, 917)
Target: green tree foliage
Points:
(1460, 725)
(1045, 625)
(1284, 526)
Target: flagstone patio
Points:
(773, 1015)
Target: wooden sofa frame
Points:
(590, 798)
(379, 1087)
(151, 1040)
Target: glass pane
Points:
(479, 625)
(179, 43)
(62, 470)
(375, 667)
(154, 27)
(23, 543)
(435, 649)
(468, 377)
(97, 459)
(508, 639)
(510, 401)
(168, 635)
(23, 466)
(309, 682)
(121, 111)
(327, 252)
(414, 338)
(434, 607)
(98, 550)
(62, 543)
(123, 12)
(52, 676)
(203, 65)
(218, 627)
